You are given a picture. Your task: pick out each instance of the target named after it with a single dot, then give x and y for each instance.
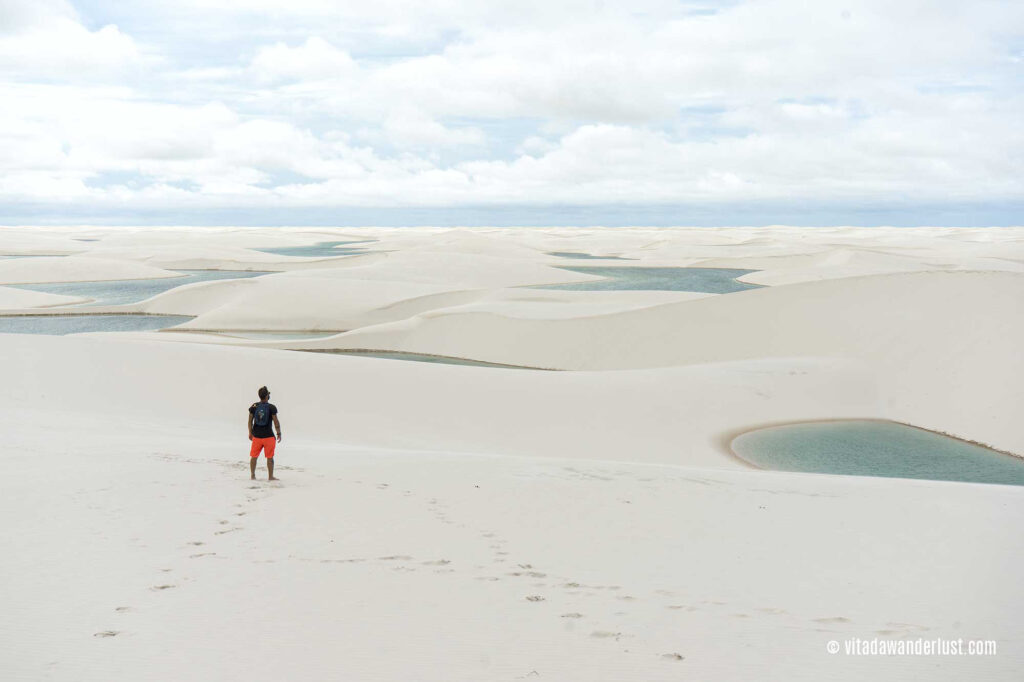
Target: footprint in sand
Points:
(835, 619)
(162, 587)
(673, 657)
(107, 633)
(123, 609)
(906, 627)
(571, 615)
(535, 597)
(605, 634)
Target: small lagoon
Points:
(579, 255)
(318, 250)
(633, 278)
(59, 325)
(875, 448)
(119, 292)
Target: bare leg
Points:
(252, 467)
(270, 469)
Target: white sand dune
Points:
(902, 326)
(75, 269)
(367, 290)
(343, 304)
(201, 258)
(446, 408)
(549, 304)
(457, 270)
(41, 241)
(337, 305)
(452, 523)
(848, 262)
(584, 546)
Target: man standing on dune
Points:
(261, 415)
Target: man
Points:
(261, 415)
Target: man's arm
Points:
(250, 426)
(277, 425)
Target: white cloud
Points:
(46, 40)
(19, 15)
(411, 129)
(512, 102)
(315, 59)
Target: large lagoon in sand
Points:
(694, 486)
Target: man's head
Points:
(264, 393)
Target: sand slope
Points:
(423, 564)
(644, 415)
(938, 342)
(75, 269)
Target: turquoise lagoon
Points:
(59, 325)
(119, 292)
(875, 448)
(632, 278)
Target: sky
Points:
(509, 112)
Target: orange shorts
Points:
(267, 444)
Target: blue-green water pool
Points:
(632, 278)
(118, 292)
(318, 250)
(579, 255)
(875, 448)
(58, 325)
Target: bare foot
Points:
(272, 478)
(252, 478)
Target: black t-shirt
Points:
(263, 431)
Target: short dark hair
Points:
(264, 393)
